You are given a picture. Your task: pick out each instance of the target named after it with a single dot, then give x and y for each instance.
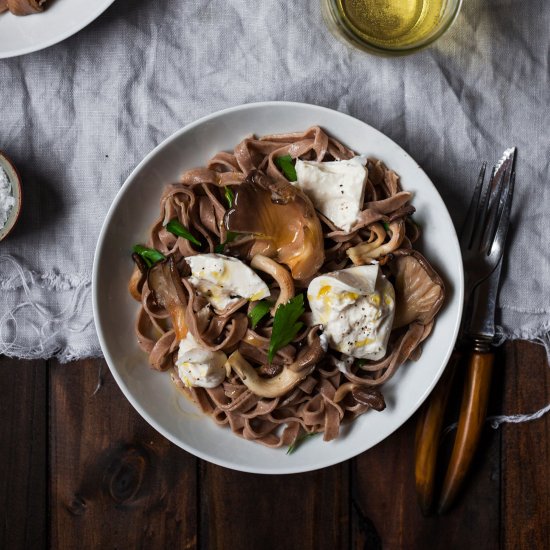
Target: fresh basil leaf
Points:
(258, 312)
(150, 255)
(229, 196)
(286, 325)
(386, 226)
(286, 166)
(299, 440)
(176, 228)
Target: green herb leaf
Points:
(229, 196)
(176, 228)
(299, 440)
(286, 166)
(286, 325)
(258, 312)
(229, 237)
(150, 255)
(386, 226)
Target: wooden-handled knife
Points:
(477, 334)
(475, 397)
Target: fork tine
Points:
(470, 221)
(497, 246)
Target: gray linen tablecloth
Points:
(77, 117)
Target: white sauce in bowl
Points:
(7, 200)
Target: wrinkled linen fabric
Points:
(77, 117)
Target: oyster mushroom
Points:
(343, 390)
(164, 281)
(138, 278)
(376, 240)
(364, 252)
(419, 290)
(283, 220)
(280, 274)
(276, 386)
(368, 396)
(280, 379)
(310, 354)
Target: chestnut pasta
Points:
(243, 206)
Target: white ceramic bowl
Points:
(9, 168)
(60, 19)
(136, 207)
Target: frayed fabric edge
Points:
(64, 355)
(45, 323)
(542, 337)
(49, 281)
(539, 336)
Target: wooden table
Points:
(79, 468)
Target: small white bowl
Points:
(15, 180)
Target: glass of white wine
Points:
(390, 27)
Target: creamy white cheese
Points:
(224, 280)
(356, 308)
(336, 189)
(198, 366)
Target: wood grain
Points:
(526, 450)
(115, 482)
(473, 412)
(428, 436)
(23, 432)
(385, 509)
(245, 511)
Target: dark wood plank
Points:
(245, 511)
(23, 429)
(526, 450)
(386, 513)
(115, 482)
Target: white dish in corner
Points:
(15, 181)
(136, 207)
(59, 20)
